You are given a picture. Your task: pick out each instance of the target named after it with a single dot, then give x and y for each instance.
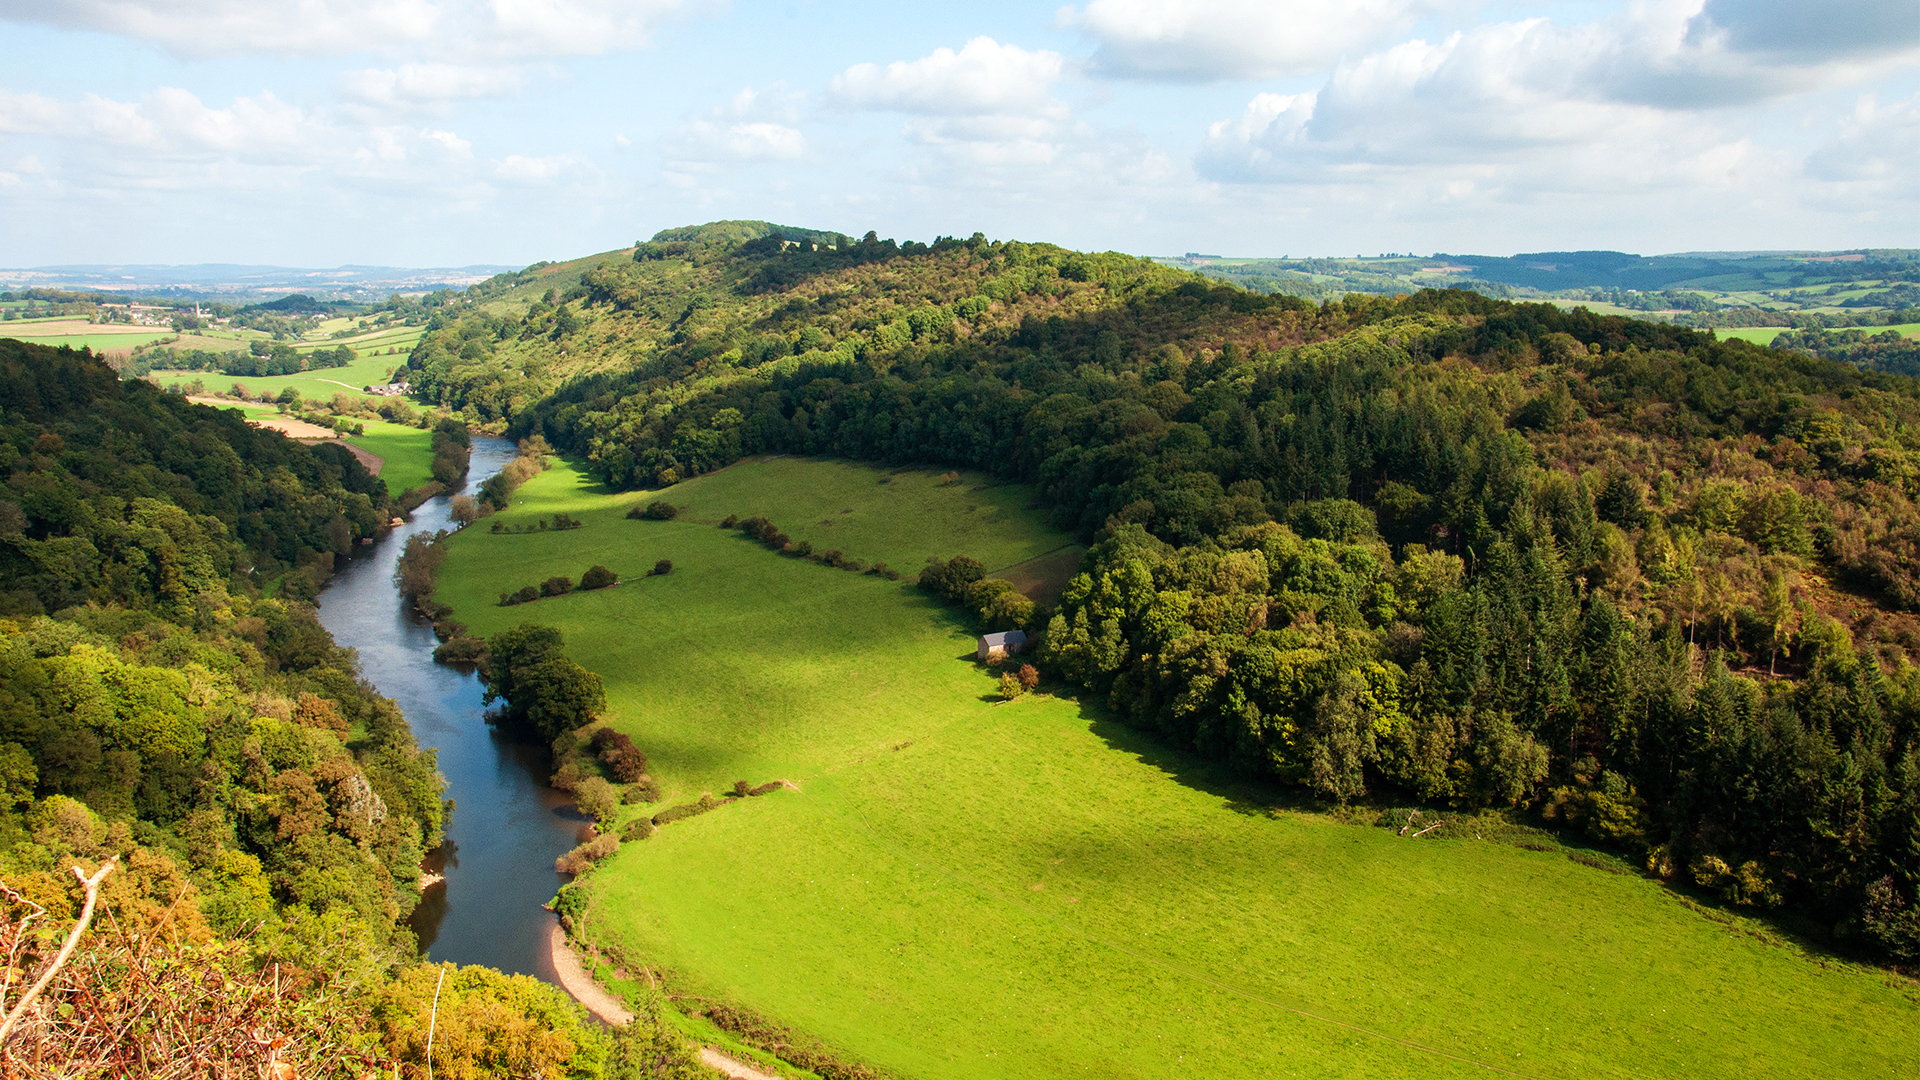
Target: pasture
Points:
(406, 453)
(964, 888)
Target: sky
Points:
(454, 132)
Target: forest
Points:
(1653, 587)
(182, 741)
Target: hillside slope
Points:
(1656, 586)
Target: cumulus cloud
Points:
(1640, 97)
(525, 169)
(1204, 40)
(169, 138)
(754, 125)
(341, 27)
(429, 84)
(985, 78)
(1876, 145)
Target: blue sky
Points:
(448, 132)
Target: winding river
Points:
(508, 826)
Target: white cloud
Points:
(211, 27)
(985, 78)
(1205, 40)
(523, 169)
(429, 84)
(342, 27)
(754, 125)
(1641, 99)
(1877, 147)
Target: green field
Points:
(116, 343)
(962, 888)
(406, 453)
(1764, 335)
(321, 383)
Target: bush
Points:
(949, 580)
(687, 810)
(636, 830)
(464, 649)
(663, 567)
(582, 858)
(732, 520)
(654, 511)
(643, 790)
(1029, 678)
(740, 789)
(556, 586)
(598, 577)
(767, 788)
(625, 760)
(525, 595)
(1010, 687)
(597, 799)
(799, 549)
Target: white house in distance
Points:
(999, 646)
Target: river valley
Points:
(507, 825)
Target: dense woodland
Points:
(172, 711)
(1654, 587)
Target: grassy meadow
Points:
(406, 453)
(964, 888)
(319, 383)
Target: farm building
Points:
(995, 646)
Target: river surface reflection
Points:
(508, 826)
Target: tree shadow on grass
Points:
(1245, 795)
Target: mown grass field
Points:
(968, 889)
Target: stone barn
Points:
(1000, 646)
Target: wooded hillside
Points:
(1655, 586)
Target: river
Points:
(508, 826)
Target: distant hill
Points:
(230, 281)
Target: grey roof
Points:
(1005, 637)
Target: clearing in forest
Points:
(961, 888)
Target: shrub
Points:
(740, 789)
(597, 799)
(582, 858)
(663, 567)
(464, 649)
(1029, 678)
(636, 830)
(687, 810)
(525, 595)
(643, 790)
(557, 585)
(626, 761)
(769, 786)
(800, 549)
(598, 577)
(835, 558)
(949, 580)
(655, 511)
(1010, 687)
(731, 521)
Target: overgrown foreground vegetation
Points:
(962, 888)
(250, 815)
